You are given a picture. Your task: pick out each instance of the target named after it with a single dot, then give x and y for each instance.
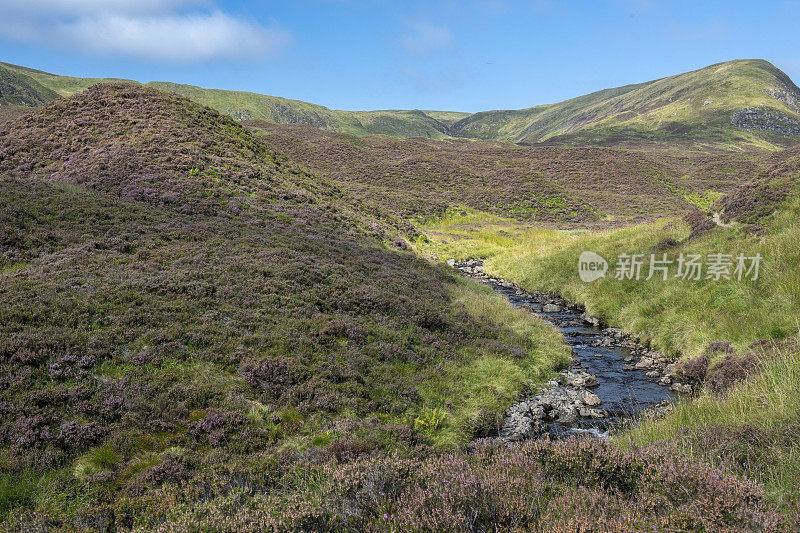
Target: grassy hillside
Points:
(244, 105)
(694, 109)
(737, 105)
(18, 89)
(252, 106)
(423, 178)
(53, 83)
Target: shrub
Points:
(694, 370)
(730, 370)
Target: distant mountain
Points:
(741, 104)
(44, 87)
(17, 89)
(253, 106)
(727, 105)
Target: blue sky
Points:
(465, 55)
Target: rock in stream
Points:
(612, 379)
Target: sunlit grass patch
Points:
(475, 389)
(97, 459)
(679, 316)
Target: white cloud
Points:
(193, 37)
(83, 7)
(424, 37)
(150, 29)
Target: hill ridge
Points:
(731, 105)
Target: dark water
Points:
(624, 392)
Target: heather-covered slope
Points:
(422, 178)
(177, 302)
(777, 181)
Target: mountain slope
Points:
(35, 87)
(253, 106)
(736, 105)
(732, 104)
(17, 89)
(60, 85)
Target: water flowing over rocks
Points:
(612, 379)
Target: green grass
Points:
(18, 490)
(680, 317)
(252, 106)
(471, 392)
(767, 402)
(97, 459)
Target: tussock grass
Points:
(680, 317)
(475, 389)
(767, 402)
(97, 459)
(16, 490)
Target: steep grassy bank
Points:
(752, 430)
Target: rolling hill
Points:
(727, 105)
(198, 333)
(18, 89)
(244, 105)
(420, 178)
(736, 105)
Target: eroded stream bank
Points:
(612, 379)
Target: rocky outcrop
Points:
(759, 118)
(787, 97)
(283, 114)
(564, 400)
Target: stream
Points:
(612, 379)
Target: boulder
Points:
(590, 398)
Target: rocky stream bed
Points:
(613, 378)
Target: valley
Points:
(232, 312)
